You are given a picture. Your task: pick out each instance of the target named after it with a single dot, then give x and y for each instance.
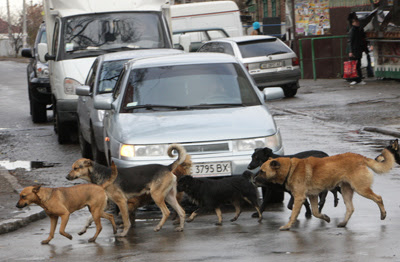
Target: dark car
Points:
(38, 80)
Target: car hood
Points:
(193, 126)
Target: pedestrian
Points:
(256, 29)
(356, 46)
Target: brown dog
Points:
(62, 201)
(156, 180)
(182, 170)
(308, 177)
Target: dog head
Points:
(273, 171)
(394, 148)
(81, 169)
(28, 196)
(185, 184)
(259, 156)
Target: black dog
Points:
(261, 155)
(212, 193)
(394, 148)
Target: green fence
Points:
(314, 59)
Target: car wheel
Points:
(86, 150)
(98, 156)
(61, 128)
(38, 111)
(289, 91)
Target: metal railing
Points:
(313, 58)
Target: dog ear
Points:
(267, 151)
(87, 163)
(395, 144)
(275, 164)
(36, 188)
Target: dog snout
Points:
(21, 205)
(71, 176)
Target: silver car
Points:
(100, 81)
(269, 60)
(205, 102)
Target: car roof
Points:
(247, 38)
(183, 59)
(138, 54)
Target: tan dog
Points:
(180, 171)
(63, 201)
(156, 180)
(308, 177)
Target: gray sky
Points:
(16, 5)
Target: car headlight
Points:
(273, 142)
(70, 85)
(130, 151)
(42, 71)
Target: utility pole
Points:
(9, 20)
(24, 34)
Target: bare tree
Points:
(34, 19)
(14, 29)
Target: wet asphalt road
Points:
(366, 237)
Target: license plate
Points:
(211, 169)
(271, 65)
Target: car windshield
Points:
(109, 74)
(196, 86)
(90, 34)
(263, 47)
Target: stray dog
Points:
(261, 155)
(62, 201)
(394, 148)
(308, 177)
(156, 180)
(181, 170)
(212, 193)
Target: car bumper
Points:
(279, 78)
(66, 110)
(239, 163)
(40, 90)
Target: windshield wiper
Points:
(218, 105)
(150, 107)
(278, 53)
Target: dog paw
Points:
(308, 215)
(122, 234)
(189, 220)
(233, 219)
(284, 228)
(383, 216)
(157, 228)
(255, 215)
(92, 240)
(342, 224)
(260, 220)
(218, 224)
(179, 229)
(326, 218)
(81, 233)
(45, 242)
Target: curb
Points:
(23, 217)
(382, 131)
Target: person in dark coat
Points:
(356, 46)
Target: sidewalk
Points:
(12, 218)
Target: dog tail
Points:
(181, 155)
(114, 173)
(381, 166)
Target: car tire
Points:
(98, 156)
(38, 111)
(289, 91)
(86, 150)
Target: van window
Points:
(56, 38)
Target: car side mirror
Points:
(273, 93)
(27, 52)
(42, 52)
(185, 41)
(103, 103)
(83, 91)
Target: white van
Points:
(78, 31)
(201, 22)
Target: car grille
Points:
(207, 148)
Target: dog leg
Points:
(88, 223)
(322, 198)
(122, 204)
(347, 193)
(96, 218)
(64, 221)
(335, 196)
(298, 202)
(238, 211)
(160, 202)
(266, 196)
(193, 215)
(110, 217)
(171, 199)
(368, 193)
(53, 225)
(315, 210)
(219, 215)
(308, 209)
(252, 199)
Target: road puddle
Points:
(27, 165)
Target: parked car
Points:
(100, 81)
(269, 60)
(38, 79)
(205, 102)
(196, 37)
